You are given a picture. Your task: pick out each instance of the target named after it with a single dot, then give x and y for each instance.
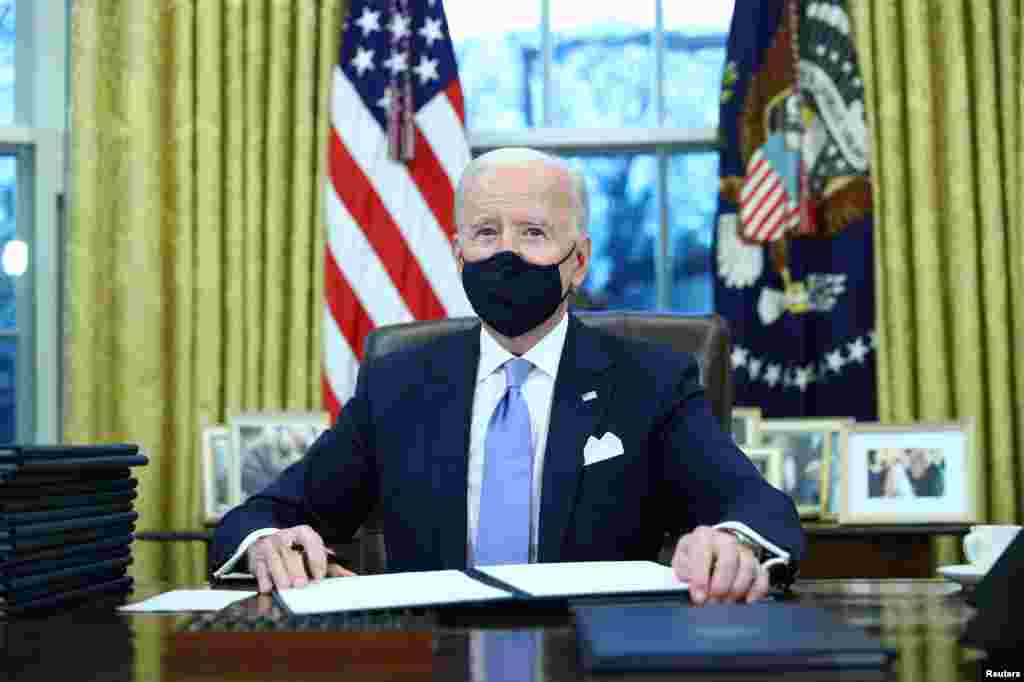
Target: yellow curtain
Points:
(946, 107)
(195, 249)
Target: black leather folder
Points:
(13, 520)
(63, 555)
(40, 458)
(12, 584)
(19, 453)
(50, 527)
(57, 585)
(118, 586)
(721, 638)
(12, 547)
(43, 502)
(64, 482)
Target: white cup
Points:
(984, 544)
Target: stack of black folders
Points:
(67, 521)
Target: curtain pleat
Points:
(944, 100)
(195, 249)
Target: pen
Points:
(331, 558)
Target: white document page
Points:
(584, 578)
(388, 591)
(188, 600)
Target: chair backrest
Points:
(704, 336)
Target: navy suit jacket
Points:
(402, 442)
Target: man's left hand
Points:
(718, 568)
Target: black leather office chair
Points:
(706, 337)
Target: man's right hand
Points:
(278, 564)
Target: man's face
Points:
(526, 208)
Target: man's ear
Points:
(582, 262)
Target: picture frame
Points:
(218, 463)
(910, 473)
(769, 462)
(832, 473)
(746, 426)
(266, 443)
(807, 444)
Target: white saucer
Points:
(965, 574)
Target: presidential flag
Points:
(397, 146)
(793, 242)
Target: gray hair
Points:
(511, 156)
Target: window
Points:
(32, 117)
(629, 93)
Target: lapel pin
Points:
(590, 395)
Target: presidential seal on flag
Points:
(794, 180)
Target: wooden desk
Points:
(835, 551)
(923, 619)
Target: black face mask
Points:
(512, 295)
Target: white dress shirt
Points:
(538, 390)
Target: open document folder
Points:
(483, 584)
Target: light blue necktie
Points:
(503, 531)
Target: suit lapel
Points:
(449, 402)
(581, 370)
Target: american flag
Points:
(397, 146)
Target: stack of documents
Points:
(67, 521)
(521, 583)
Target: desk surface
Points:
(923, 619)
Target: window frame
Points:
(661, 142)
(38, 141)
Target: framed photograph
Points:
(910, 473)
(806, 446)
(769, 462)
(832, 475)
(218, 461)
(268, 443)
(746, 425)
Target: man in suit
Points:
(530, 438)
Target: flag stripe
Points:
(436, 120)
(343, 304)
(757, 213)
(341, 364)
(768, 216)
(363, 270)
(395, 190)
(355, 190)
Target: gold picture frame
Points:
(910, 473)
(218, 464)
(768, 461)
(746, 426)
(807, 444)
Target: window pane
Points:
(497, 49)
(693, 200)
(623, 229)
(6, 62)
(8, 309)
(603, 63)
(698, 18)
(695, 36)
(8, 379)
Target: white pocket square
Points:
(599, 450)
